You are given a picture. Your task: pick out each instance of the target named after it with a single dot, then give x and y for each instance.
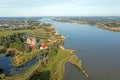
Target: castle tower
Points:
(29, 41)
(34, 42)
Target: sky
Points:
(12, 8)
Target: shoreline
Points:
(114, 29)
(73, 61)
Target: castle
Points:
(31, 41)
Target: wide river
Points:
(99, 50)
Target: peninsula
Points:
(38, 41)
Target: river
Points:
(99, 50)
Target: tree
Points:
(27, 49)
(17, 46)
(1, 40)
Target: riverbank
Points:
(115, 29)
(56, 65)
(100, 23)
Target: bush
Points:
(2, 49)
(27, 49)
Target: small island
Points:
(35, 40)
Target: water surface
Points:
(10, 70)
(100, 50)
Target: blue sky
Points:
(59, 7)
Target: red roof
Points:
(44, 46)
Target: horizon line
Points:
(59, 16)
